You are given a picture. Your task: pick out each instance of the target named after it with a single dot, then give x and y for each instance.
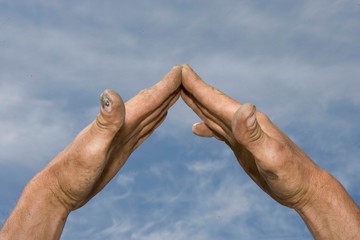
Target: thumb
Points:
(245, 127)
(111, 116)
(247, 131)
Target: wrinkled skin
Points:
(273, 161)
(267, 155)
(94, 157)
(102, 148)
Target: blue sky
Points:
(298, 61)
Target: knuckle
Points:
(280, 155)
(101, 123)
(148, 94)
(144, 92)
(262, 116)
(104, 125)
(255, 135)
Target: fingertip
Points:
(202, 130)
(177, 66)
(112, 107)
(245, 115)
(186, 66)
(244, 124)
(189, 76)
(194, 128)
(173, 77)
(105, 101)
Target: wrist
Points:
(38, 214)
(329, 211)
(42, 188)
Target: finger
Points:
(209, 97)
(202, 130)
(112, 113)
(150, 105)
(96, 138)
(214, 123)
(81, 163)
(152, 117)
(112, 168)
(164, 107)
(150, 99)
(269, 153)
(148, 130)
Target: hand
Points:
(91, 160)
(267, 155)
(273, 161)
(102, 148)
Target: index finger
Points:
(151, 98)
(215, 101)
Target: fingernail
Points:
(105, 102)
(194, 126)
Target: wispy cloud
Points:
(206, 204)
(297, 61)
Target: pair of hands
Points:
(270, 158)
(266, 154)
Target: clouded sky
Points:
(298, 61)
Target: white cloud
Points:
(293, 60)
(206, 166)
(33, 129)
(224, 202)
(125, 179)
(117, 228)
